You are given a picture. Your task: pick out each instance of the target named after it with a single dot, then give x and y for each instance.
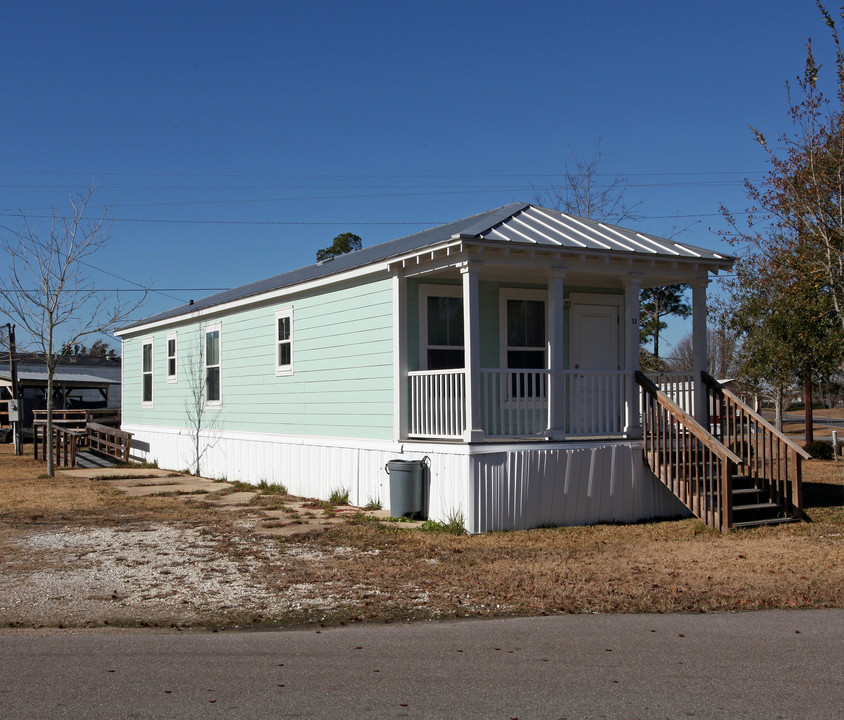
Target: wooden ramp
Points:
(87, 459)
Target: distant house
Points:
(501, 347)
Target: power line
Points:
(120, 290)
(371, 175)
(6, 213)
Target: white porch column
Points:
(557, 381)
(632, 418)
(472, 350)
(400, 409)
(701, 412)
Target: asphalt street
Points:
(779, 664)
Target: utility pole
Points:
(16, 400)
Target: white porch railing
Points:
(514, 403)
(437, 403)
(678, 386)
(595, 402)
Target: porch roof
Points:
(541, 226)
(517, 223)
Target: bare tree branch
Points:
(47, 292)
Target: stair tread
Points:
(747, 491)
(757, 506)
(766, 521)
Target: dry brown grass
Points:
(378, 572)
(649, 567)
(28, 496)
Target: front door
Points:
(596, 395)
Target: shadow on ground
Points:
(822, 495)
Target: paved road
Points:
(752, 665)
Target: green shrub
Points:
(819, 449)
(272, 488)
(373, 504)
(339, 497)
(454, 524)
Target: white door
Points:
(596, 397)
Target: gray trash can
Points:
(406, 481)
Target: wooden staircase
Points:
(738, 472)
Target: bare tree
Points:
(721, 354)
(587, 193)
(201, 418)
(48, 292)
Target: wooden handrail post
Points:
(796, 486)
(728, 469)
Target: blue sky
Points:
(233, 140)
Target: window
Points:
(284, 342)
(525, 334)
(146, 373)
(442, 327)
(212, 365)
(523, 345)
(171, 358)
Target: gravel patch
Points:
(156, 573)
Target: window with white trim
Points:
(172, 349)
(212, 365)
(441, 329)
(523, 337)
(284, 341)
(146, 373)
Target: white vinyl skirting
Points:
(494, 486)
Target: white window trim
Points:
(426, 291)
(207, 329)
(151, 373)
(505, 294)
(175, 338)
(283, 370)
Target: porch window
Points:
(171, 358)
(146, 373)
(526, 334)
(445, 332)
(523, 340)
(212, 365)
(284, 341)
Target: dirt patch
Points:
(79, 552)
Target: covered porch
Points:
(530, 330)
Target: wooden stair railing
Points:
(771, 462)
(695, 465)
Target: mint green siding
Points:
(342, 379)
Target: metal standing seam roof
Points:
(520, 223)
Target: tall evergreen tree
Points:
(343, 243)
(657, 303)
